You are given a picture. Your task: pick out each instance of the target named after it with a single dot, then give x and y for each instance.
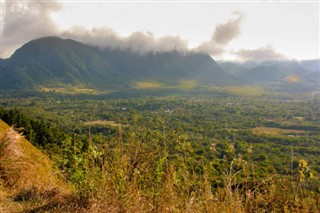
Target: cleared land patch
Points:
(103, 122)
(72, 90)
(275, 131)
(147, 85)
(245, 91)
(187, 84)
(292, 78)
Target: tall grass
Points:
(28, 180)
(144, 169)
(141, 175)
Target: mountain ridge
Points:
(56, 62)
(64, 61)
(280, 73)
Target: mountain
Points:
(285, 76)
(52, 61)
(233, 68)
(269, 72)
(275, 73)
(312, 65)
(55, 62)
(313, 78)
(168, 67)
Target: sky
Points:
(233, 30)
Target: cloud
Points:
(222, 36)
(260, 54)
(224, 33)
(138, 42)
(25, 20)
(210, 48)
(100, 37)
(143, 43)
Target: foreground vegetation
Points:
(174, 153)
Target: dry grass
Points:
(147, 85)
(245, 91)
(182, 85)
(72, 90)
(292, 78)
(275, 131)
(28, 180)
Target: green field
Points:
(245, 91)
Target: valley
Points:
(104, 146)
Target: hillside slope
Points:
(28, 181)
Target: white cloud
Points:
(260, 54)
